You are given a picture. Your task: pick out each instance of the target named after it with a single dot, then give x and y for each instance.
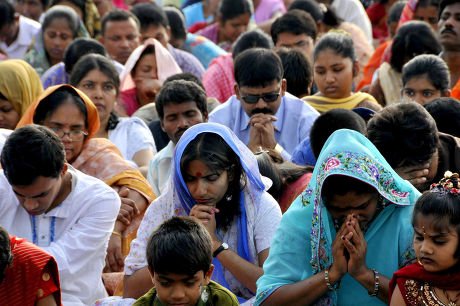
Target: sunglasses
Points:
(268, 97)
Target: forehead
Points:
(40, 185)
(58, 24)
(432, 225)
(291, 37)
(178, 277)
(273, 87)
(96, 75)
(329, 57)
(173, 108)
(350, 200)
(127, 26)
(452, 8)
(420, 82)
(67, 113)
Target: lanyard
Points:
(34, 230)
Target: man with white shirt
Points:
(16, 32)
(67, 213)
(180, 104)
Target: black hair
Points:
(340, 43)
(443, 4)
(6, 13)
(295, 22)
(444, 207)
(6, 256)
(394, 14)
(99, 62)
(187, 76)
(150, 14)
(78, 3)
(176, 21)
(319, 11)
(180, 91)
(281, 172)
(257, 67)
(446, 112)
(405, 134)
(79, 47)
(251, 39)
(62, 12)
(427, 3)
(431, 66)
(297, 71)
(117, 15)
(179, 245)
(413, 38)
(339, 185)
(229, 9)
(331, 121)
(60, 96)
(31, 152)
(150, 49)
(212, 150)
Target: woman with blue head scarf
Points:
(342, 239)
(215, 179)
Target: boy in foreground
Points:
(179, 255)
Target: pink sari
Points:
(166, 66)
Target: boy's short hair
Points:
(331, 121)
(297, 71)
(405, 134)
(395, 11)
(180, 91)
(251, 39)
(150, 14)
(180, 245)
(186, 76)
(446, 112)
(295, 22)
(257, 68)
(117, 15)
(6, 13)
(431, 66)
(30, 152)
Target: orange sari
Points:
(100, 158)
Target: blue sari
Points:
(255, 186)
(302, 243)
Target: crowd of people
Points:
(229, 152)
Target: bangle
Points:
(328, 284)
(278, 148)
(376, 283)
(117, 234)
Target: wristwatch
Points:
(222, 247)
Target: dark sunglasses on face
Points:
(267, 97)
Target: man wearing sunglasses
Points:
(261, 113)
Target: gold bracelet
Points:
(117, 233)
(278, 148)
(328, 284)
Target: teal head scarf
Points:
(302, 243)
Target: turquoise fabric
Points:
(302, 243)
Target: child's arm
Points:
(397, 298)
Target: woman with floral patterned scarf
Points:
(345, 235)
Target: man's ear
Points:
(447, 93)
(208, 274)
(151, 273)
(205, 116)
(168, 32)
(237, 91)
(162, 126)
(283, 87)
(355, 69)
(64, 169)
(101, 40)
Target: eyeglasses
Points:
(267, 97)
(74, 135)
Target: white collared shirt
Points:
(28, 28)
(83, 223)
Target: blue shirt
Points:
(194, 13)
(303, 155)
(202, 48)
(295, 118)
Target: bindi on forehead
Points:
(198, 175)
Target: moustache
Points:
(261, 111)
(448, 30)
(179, 132)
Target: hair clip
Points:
(448, 184)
